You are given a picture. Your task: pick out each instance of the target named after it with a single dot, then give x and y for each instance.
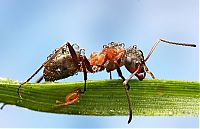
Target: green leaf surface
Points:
(107, 97)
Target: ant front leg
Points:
(125, 83)
(127, 95)
(120, 75)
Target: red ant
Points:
(65, 62)
(114, 55)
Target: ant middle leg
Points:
(86, 68)
(110, 75)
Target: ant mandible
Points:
(114, 55)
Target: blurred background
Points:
(31, 30)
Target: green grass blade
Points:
(107, 97)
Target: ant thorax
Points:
(134, 56)
(111, 57)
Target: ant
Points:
(65, 61)
(114, 55)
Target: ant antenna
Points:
(169, 42)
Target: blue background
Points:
(31, 30)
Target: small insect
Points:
(64, 62)
(114, 55)
(71, 98)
